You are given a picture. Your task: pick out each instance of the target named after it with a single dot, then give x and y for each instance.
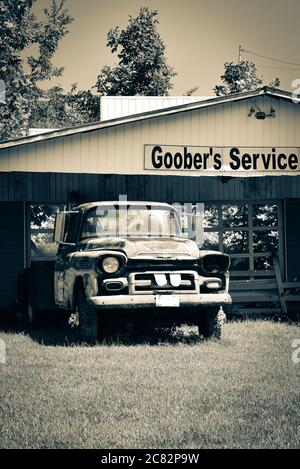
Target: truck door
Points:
(67, 226)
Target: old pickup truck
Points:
(130, 261)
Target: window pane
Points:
(263, 263)
(265, 241)
(210, 215)
(235, 242)
(265, 215)
(43, 216)
(42, 245)
(211, 240)
(238, 263)
(235, 215)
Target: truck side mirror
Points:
(62, 227)
(59, 230)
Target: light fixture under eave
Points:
(261, 115)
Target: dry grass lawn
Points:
(241, 392)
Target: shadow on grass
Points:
(119, 335)
(54, 330)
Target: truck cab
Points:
(124, 260)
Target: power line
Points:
(270, 58)
(277, 68)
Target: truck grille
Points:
(146, 283)
(141, 265)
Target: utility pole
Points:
(240, 53)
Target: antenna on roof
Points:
(240, 53)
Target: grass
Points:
(241, 392)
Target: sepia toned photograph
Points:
(149, 228)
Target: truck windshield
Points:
(131, 221)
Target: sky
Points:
(199, 35)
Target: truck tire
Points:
(211, 322)
(88, 320)
(29, 317)
(32, 315)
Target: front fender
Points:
(77, 279)
(82, 271)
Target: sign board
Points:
(246, 160)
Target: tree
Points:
(142, 67)
(191, 91)
(274, 83)
(19, 30)
(239, 77)
(60, 109)
(82, 105)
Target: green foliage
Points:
(239, 77)
(275, 83)
(20, 30)
(40, 214)
(142, 67)
(59, 109)
(191, 91)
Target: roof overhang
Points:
(265, 91)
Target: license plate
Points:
(167, 300)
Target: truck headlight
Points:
(215, 263)
(110, 264)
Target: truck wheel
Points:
(29, 317)
(211, 323)
(88, 321)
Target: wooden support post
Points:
(279, 285)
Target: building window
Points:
(42, 219)
(251, 233)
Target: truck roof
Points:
(89, 205)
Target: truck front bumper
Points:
(150, 301)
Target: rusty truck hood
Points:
(145, 247)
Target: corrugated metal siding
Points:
(293, 239)
(112, 107)
(120, 149)
(57, 187)
(11, 252)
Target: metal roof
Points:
(265, 91)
